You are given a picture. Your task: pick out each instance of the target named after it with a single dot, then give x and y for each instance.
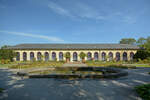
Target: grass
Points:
(142, 65)
(143, 91)
(110, 64)
(1, 90)
(37, 64)
(5, 65)
(100, 63)
(29, 64)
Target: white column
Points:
(114, 55)
(86, 56)
(92, 55)
(107, 56)
(43, 56)
(64, 58)
(50, 55)
(57, 56)
(121, 56)
(71, 56)
(28, 55)
(99, 56)
(21, 56)
(14, 59)
(78, 57)
(128, 56)
(35, 55)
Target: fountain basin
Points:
(77, 72)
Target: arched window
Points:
(17, 56)
(39, 56)
(75, 56)
(53, 56)
(117, 56)
(96, 56)
(131, 55)
(110, 56)
(125, 56)
(24, 56)
(103, 56)
(60, 56)
(31, 56)
(46, 56)
(89, 56)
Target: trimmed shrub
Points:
(5, 61)
(1, 90)
(141, 54)
(143, 91)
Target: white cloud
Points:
(79, 10)
(85, 11)
(59, 10)
(129, 19)
(49, 38)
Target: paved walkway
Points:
(60, 89)
(74, 64)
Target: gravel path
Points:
(18, 88)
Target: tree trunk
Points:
(83, 60)
(67, 60)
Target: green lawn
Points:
(37, 64)
(99, 63)
(142, 65)
(5, 65)
(29, 64)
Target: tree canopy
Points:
(6, 54)
(127, 41)
(141, 42)
(4, 46)
(67, 55)
(82, 55)
(142, 54)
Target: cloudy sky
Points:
(73, 21)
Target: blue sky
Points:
(73, 21)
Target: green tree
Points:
(82, 55)
(67, 55)
(4, 46)
(141, 42)
(147, 44)
(7, 54)
(127, 41)
(141, 54)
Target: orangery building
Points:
(56, 52)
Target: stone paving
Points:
(74, 64)
(18, 88)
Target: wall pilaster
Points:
(21, 56)
(28, 55)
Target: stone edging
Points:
(116, 73)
